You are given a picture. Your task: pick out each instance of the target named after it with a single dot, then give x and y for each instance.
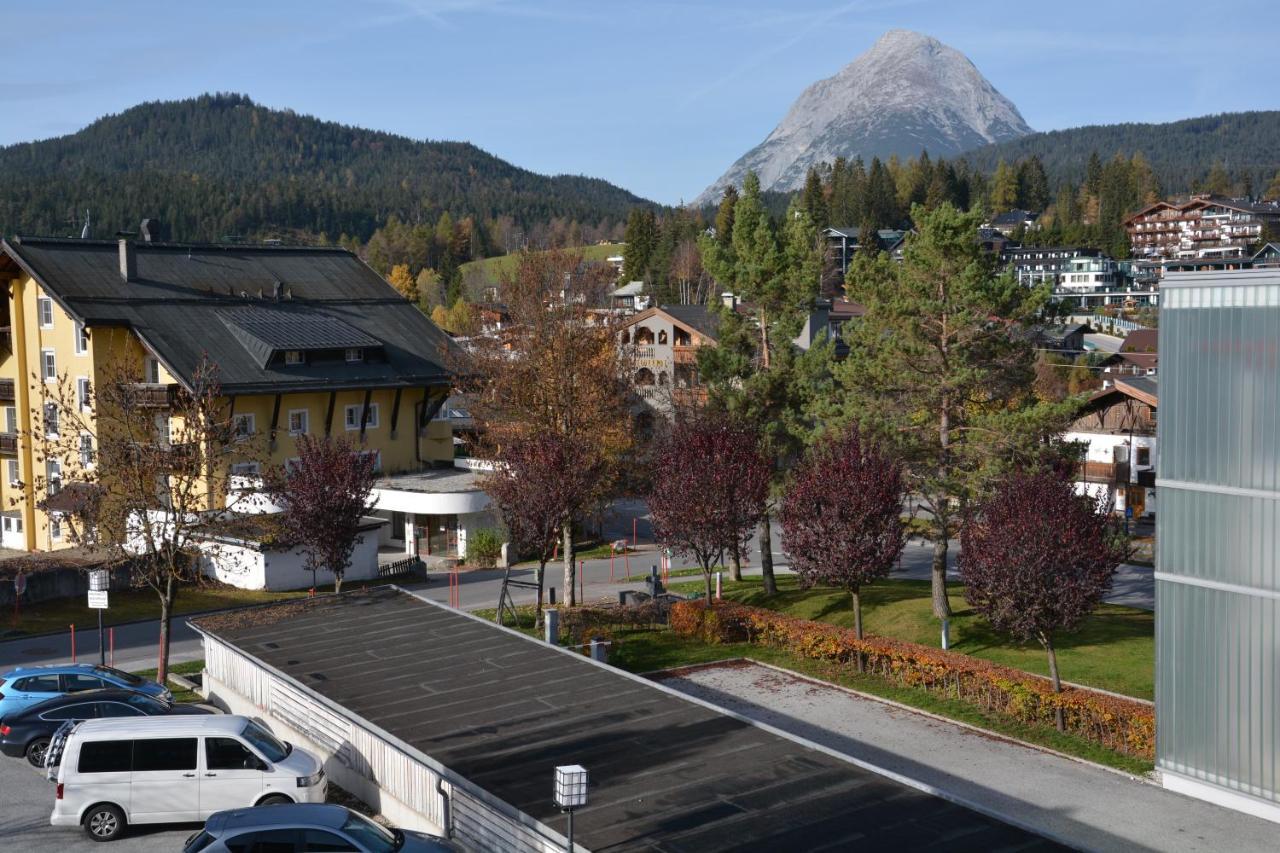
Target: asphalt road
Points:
(26, 802)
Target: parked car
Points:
(28, 731)
(28, 685)
(292, 829)
(170, 769)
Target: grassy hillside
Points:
(490, 271)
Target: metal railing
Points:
(399, 567)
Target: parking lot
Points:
(24, 820)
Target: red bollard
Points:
(73, 643)
(111, 640)
(610, 562)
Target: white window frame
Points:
(295, 356)
(352, 425)
(53, 473)
(56, 419)
(44, 308)
(11, 420)
(55, 526)
(244, 418)
(354, 355)
(13, 472)
(82, 394)
(88, 452)
(377, 458)
(246, 469)
(150, 367)
(49, 365)
(82, 339)
(306, 421)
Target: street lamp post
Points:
(571, 793)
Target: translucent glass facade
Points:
(1217, 571)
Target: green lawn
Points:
(494, 268)
(1114, 650)
(187, 668)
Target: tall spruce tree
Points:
(939, 369)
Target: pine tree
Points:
(642, 240)
(1217, 181)
(1033, 185)
(815, 202)
(1273, 189)
(1004, 189)
(724, 216)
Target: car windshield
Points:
(265, 742)
(127, 677)
(371, 836)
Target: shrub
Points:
(484, 547)
(1124, 725)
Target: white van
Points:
(113, 772)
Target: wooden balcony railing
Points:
(146, 395)
(8, 443)
(6, 391)
(1104, 472)
(685, 354)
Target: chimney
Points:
(729, 300)
(128, 260)
(151, 230)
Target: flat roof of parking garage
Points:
(502, 710)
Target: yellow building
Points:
(304, 340)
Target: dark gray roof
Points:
(667, 774)
(697, 317)
(183, 294)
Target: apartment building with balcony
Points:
(663, 343)
(1206, 227)
(304, 340)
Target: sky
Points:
(658, 97)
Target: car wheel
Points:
(275, 800)
(104, 822)
(37, 750)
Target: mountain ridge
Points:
(220, 164)
(907, 93)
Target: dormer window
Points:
(354, 355)
(295, 356)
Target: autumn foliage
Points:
(842, 515)
(1124, 725)
(709, 485)
(1036, 558)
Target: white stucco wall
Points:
(246, 567)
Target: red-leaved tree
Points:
(1036, 559)
(842, 516)
(540, 482)
(709, 485)
(323, 494)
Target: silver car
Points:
(303, 827)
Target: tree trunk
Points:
(766, 557)
(570, 566)
(166, 618)
(856, 595)
(737, 563)
(941, 606)
(1057, 682)
(706, 576)
(337, 582)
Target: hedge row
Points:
(1120, 724)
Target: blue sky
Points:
(659, 97)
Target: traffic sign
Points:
(98, 599)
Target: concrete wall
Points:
(246, 567)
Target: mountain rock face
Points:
(907, 93)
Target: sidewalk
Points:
(1085, 805)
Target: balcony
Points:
(685, 354)
(689, 396)
(6, 338)
(147, 395)
(8, 444)
(6, 391)
(1104, 472)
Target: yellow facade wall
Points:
(108, 347)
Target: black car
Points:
(27, 732)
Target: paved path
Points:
(1085, 805)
